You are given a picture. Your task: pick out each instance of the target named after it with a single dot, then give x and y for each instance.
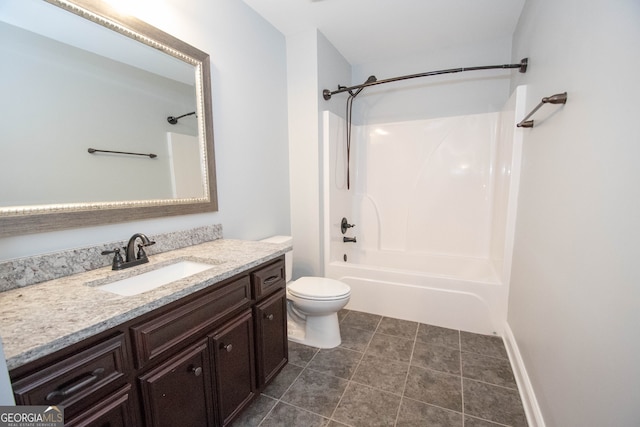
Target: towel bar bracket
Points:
(558, 98)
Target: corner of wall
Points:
(527, 394)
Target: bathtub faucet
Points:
(349, 239)
(344, 225)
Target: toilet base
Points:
(315, 331)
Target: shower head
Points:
(174, 120)
(371, 79)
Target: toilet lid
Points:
(318, 288)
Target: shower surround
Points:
(434, 203)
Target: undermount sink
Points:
(155, 278)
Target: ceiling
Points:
(372, 30)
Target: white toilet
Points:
(312, 305)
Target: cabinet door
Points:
(233, 365)
(178, 392)
(117, 410)
(271, 336)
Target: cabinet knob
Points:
(227, 347)
(197, 371)
(268, 316)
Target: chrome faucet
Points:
(131, 257)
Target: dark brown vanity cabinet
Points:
(178, 391)
(198, 361)
(117, 410)
(272, 344)
(78, 379)
(234, 366)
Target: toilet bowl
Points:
(312, 310)
(312, 305)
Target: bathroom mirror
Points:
(105, 119)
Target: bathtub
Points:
(449, 291)
(434, 202)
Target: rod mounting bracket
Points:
(524, 62)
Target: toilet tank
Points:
(288, 257)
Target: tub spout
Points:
(349, 239)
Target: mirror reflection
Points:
(82, 95)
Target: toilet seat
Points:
(318, 288)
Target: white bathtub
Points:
(443, 266)
(452, 292)
(420, 189)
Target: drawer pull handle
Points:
(268, 316)
(196, 371)
(76, 387)
(271, 280)
(227, 347)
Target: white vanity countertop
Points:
(40, 319)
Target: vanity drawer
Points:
(268, 279)
(76, 377)
(169, 331)
(116, 410)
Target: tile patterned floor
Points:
(395, 373)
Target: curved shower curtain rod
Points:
(372, 81)
(327, 94)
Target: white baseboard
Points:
(529, 401)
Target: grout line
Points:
(406, 378)
(491, 384)
(355, 370)
(350, 381)
(279, 400)
(486, 355)
(312, 357)
(269, 411)
(376, 388)
(461, 376)
(305, 410)
(489, 421)
(435, 406)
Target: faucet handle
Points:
(117, 258)
(344, 225)
(141, 253)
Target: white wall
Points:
(249, 86)
(313, 64)
(574, 306)
(333, 70)
(304, 167)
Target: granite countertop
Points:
(40, 319)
